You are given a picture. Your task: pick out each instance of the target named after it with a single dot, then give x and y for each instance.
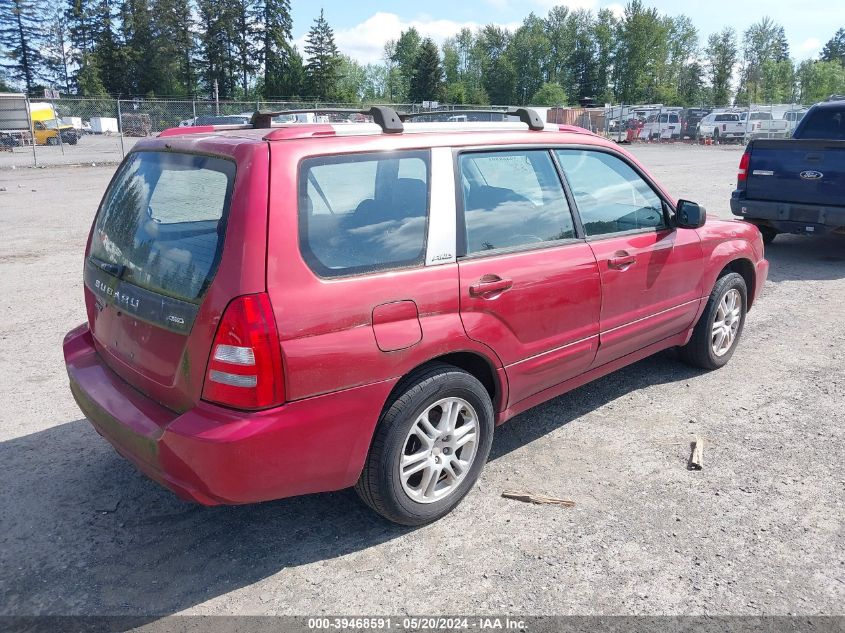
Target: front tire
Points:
(430, 445)
(717, 332)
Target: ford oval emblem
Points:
(811, 174)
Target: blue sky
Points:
(363, 26)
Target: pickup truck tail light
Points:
(742, 173)
(245, 366)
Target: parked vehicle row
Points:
(292, 308)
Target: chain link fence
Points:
(91, 131)
(71, 131)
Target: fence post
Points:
(58, 124)
(31, 133)
(120, 130)
(194, 110)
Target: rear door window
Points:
(512, 199)
(162, 223)
(363, 212)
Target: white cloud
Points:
(617, 9)
(365, 41)
(810, 46)
(572, 4)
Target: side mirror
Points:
(690, 215)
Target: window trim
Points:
(460, 217)
(668, 206)
(312, 261)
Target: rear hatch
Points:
(801, 171)
(157, 245)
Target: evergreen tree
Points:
(143, 67)
(247, 15)
(214, 39)
(57, 53)
(404, 55)
(88, 81)
(321, 71)
(81, 27)
(427, 74)
(721, 55)
(21, 36)
(282, 64)
(834, 50)
(109, 56)
(174, 46)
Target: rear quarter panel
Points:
(326, 324)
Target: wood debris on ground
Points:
(696, 458)
(530, 497)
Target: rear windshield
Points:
(823, 123)
(727, 117)
(162, 223)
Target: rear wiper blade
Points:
(109, 267)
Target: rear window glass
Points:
(363, 212)
(823, 123)
(727, 117)
(162, 222)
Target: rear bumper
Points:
(213, 455)
(789, 217)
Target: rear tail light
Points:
(245, 366)
(742, 173)
(724, 126)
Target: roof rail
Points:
(386, 118)
(526, 115)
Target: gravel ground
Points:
(758, 531)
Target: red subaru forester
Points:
(279, 309)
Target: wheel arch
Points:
(474, 363)
(745, 268)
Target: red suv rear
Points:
(280, 310)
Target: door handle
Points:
(621, 261)
(489, 285)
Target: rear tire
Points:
(769, 234)
(718, 331)
(416, 424)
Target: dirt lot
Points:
(758, 531)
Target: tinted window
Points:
(512, 199)
(611, 197)
(363, 212)
(162, 222)
(823, 123)
(727, 117)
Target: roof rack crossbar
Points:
(386, 118)
(526, 115)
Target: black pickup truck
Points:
(796, 185)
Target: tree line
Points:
(243, 49)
